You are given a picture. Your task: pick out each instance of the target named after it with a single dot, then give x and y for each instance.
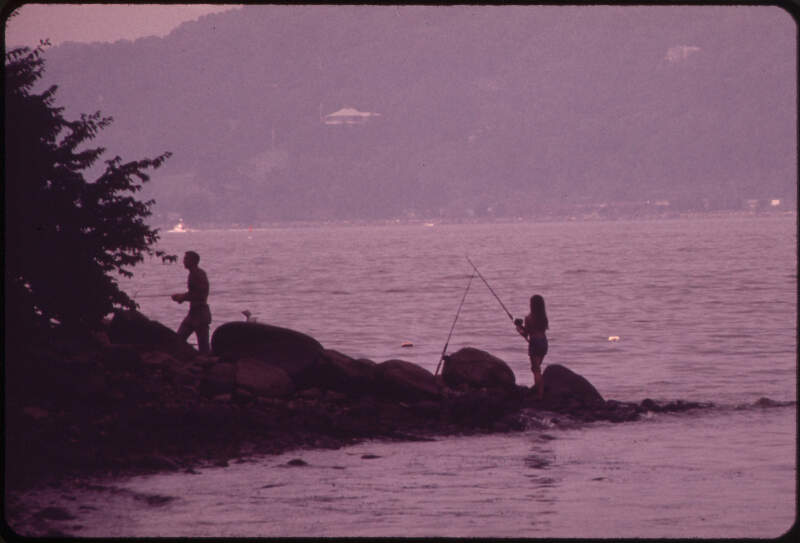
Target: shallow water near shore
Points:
(705, 310)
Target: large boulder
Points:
(484, 407)
(263, 379)
(294, 352)
(339, 372)
(401, 380)
(218, 379)
(563, 386)
(476, 369)
(133, 328)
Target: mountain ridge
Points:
(506, 110)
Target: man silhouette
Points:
(199, 317)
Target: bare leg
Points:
(185, 330)
(202, 339)
(538, 382)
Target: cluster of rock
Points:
(137, 397)
(254, 361)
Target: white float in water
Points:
(613, 339)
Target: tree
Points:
(65, 236)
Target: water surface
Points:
(705, 309)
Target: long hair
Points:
(538, 312)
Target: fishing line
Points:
(454, 324)
(493, 292)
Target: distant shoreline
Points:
(433, 222)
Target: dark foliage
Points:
(66, 237)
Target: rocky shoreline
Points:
(134, 399)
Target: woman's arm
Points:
(521, 328)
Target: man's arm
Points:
(198, 289)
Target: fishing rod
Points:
(137, 295)
(493, 293)
(454, 324)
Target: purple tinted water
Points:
(705, 309)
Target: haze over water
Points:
(705, 310)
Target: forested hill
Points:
(513, 110)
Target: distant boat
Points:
(179, 227)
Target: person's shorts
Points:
(537, 347)
(198, 317)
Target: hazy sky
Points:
(93, 22)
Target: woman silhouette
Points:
(533, 329)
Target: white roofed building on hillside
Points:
(348, 116)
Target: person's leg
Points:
(185, 329)
(202, 339)
(536, 367)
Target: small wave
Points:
(768, 403)
(602, 271)
(456, 277)
(536, 420)
(155, 500)
(679, 406)
(542, 482)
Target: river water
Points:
(705, 309)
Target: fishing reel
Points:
(518, 322)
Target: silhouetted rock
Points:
(156, 462)
(477, 369)
(133, 328)
(294, 352)
(263, 379)
(482, 407)
(615, 411)
(122, 357)
(563, 386)
(406, 381)
(337, 371)
(218, 379)
(158, 359)
(122, 408)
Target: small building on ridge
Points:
(348, 116)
